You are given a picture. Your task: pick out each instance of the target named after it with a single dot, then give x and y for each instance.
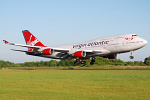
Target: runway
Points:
(74, 69)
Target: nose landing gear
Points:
(131, 57)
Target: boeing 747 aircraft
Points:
(107, 47)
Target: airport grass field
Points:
(74, 84)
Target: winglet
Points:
(6, 42)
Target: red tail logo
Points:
(31, 40)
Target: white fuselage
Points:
(110, 45)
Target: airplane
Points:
(107, 47)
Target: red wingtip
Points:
(6, 42)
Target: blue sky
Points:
(59, 22)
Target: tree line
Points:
(99, 61)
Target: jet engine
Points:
(80, 54)
(48, 51)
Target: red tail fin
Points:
(31, 40)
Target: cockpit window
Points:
(134, 35)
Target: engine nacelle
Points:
(80, 54)
(48, 51)
(111, 56)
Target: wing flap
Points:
(97, 51)
(61, 50)
(24, 51)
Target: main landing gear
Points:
(92, 61)
(131, 57)
(80, 61)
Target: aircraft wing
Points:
(37, 48)
(96, 51)
(24, 51)
(61, 50)
(76, 53)
(21, 45)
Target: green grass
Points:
(83, 67)
(74, 84)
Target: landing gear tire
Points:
(131, 57)
(80, 61)
(83, 62)
(92, 61)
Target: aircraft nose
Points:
(145, 42)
